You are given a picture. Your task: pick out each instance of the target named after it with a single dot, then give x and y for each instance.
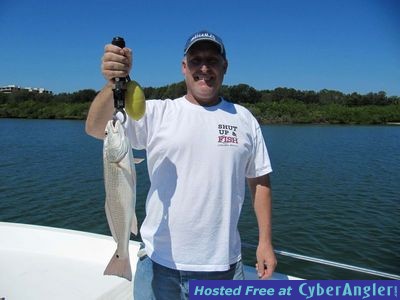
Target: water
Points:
(335, 190)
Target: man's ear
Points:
(225, 66)
(183, 66)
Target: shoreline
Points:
(270, 122)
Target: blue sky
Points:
(344, 45)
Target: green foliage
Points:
(81, 96)
(281, 105)
(171, 91)
(241, 93)
(24, 104)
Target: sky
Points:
(344, 45)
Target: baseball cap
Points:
(205, 35)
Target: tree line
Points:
(280, 105)
(243, 93)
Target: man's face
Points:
(204, 69)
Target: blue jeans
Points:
(154, 281)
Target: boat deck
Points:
(39, 262)
(48, 263)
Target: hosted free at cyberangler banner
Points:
(294, 289)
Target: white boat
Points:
(40, 263)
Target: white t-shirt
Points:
(198, 158)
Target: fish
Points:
(120, 188)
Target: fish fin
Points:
(110, 223)
(138, 160)
(119, 267)
(134, 226)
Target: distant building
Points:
(8, 89)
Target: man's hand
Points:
(266, 261)
(116, 62)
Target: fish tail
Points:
(119, 267)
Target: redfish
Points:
(120, 188)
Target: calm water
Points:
(335, 189)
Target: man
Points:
(200, 150)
